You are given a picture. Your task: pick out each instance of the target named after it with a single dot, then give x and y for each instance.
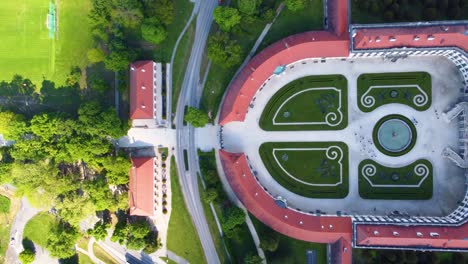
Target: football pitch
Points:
(26, 48)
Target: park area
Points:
(310, 169)
(309, 103)
(29, 48)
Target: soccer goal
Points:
(51, 20)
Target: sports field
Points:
(410, 182)
(408, 88)
(26, 48)
(309, 103)
(311, 169)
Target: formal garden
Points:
(410, 182)
(310, 103)
(310, 169)
(409, 88)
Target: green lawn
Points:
(183, 10)
(26, 47)
(84, 259)
(309, 103)
(102, 255)
(180, 62)
(289, 23)
(377, 89)
(394, 152)
(311, 169)
(289, 250)
(383, 177)
(182, 238)
(4, 204)
(38, 228)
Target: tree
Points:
(27, 256)
(74, 208)
(116, 169)
(96, 121)
(126, 13)
(96, 55)
(61, 241)
(210, 195)
(226, 17)
(269, 240)
(196, 117)
(295, 5)
(223, 51)
(162, 9)
(234, 216)
(119, 59)
(153, 31)
(249, 7)
(99, 232)
(12, 126)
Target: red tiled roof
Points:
(431, 36)
(141, 100)
(313, 44)
(448, 237)
(338, 16)
(141, 186)
(286, 221)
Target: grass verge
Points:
(180, 62)
(411, 174)
(241, 243)
(38, 228)
(304, 167)
(6, 219)
(182, 238)
(289, 250)
(102, 255)
(84, 259)
(298, 106)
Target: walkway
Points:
(247, 136)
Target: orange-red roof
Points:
(338, 16)
(313, 44)
(284, 220)
(141, 197)
(412, 37)
(412, 236)
(141, 90)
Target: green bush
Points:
(4, 204)
(27, 256)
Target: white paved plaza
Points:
(433, 135)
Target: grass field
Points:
(26, 47)
(310, 169)
(289, 23)
(289, 250)
(182, 238)
(408, 88)
(84, 259)
(410, 182)
(180, 62)
(309, 103)
(6, 219)
(38, 228)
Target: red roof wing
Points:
(141, 193)
(141, 100)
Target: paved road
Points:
(185, 135)
(25, 213)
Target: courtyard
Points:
(433, 187)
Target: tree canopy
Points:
(295, 5)
(226, 17)
(12, 126)
(196, 117)
(223, 51)
(249, 7)
(153, 31)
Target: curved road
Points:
(185, 134)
